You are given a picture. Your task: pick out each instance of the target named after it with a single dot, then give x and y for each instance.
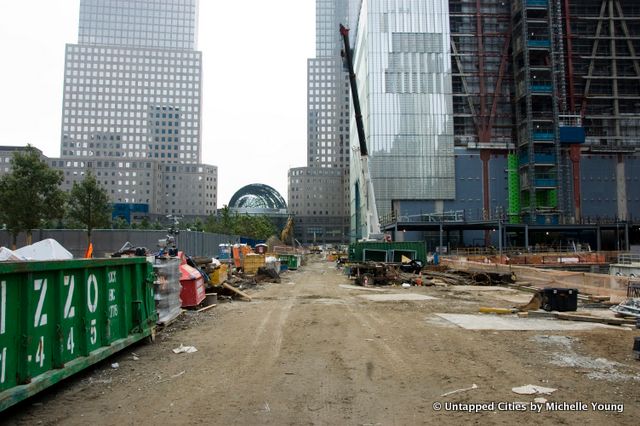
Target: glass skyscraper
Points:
(133, 93)
(164, 24)
(403, 67)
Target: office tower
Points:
(132, 105)
(403, 69)
(318, 193)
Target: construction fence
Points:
(107, 241)
(586, 282)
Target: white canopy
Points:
(48, 249)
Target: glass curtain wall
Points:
(403, 67)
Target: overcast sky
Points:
(254, 83)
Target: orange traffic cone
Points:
(89, 253)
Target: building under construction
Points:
(546, 110)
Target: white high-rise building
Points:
(132, 105)
(319, 193)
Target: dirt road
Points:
(308, 351)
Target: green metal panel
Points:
(57, 318)
(356, 250)
(547, 199)
(553, 198)
(291, 260)
(514, 188)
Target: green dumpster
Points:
(291, 260)
(57, 318)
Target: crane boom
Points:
(354, 91)
(373, 222)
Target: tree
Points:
(30, 194)
(257, 227)
(120, 223)
(144, 223)
(89, 204)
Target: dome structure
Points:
(257, 198)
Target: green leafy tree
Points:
(120, 223)
(222, 223)
(198, 225)
(257, 227)
(144, 223)
(30, 195)
(89, 204)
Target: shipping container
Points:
(387, 251)
(58, 318)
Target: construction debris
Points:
(630, 307)
(534, 304)
(502, 311)
(236, 291)
(473, 386)
(457, 277)
(185, 349)
(532, 390)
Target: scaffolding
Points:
(604, 38)
(545, 81)
(482, 78)
(538, 84)
(482, 81)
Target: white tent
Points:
(48, 249)
(8, 255)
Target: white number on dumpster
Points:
(3, 306)
(92, 303)
(40, 318)
(69, 311)
(94, 332)
(3, 364)
(70, 344)
(92, 287)
(40, 352)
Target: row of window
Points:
(155, 42)
(116, 110)
(313, 172)
(132, 154)
(140, 8)
(120, 53)
(118, 122)
(133, 103)
(77, 143)
(123, 86)
(120, 64)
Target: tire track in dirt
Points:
(278, 330)
(394, 357)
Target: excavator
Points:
(372, 232)
(286, 236)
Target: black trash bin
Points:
(560, 299)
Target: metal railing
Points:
(628, 258)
